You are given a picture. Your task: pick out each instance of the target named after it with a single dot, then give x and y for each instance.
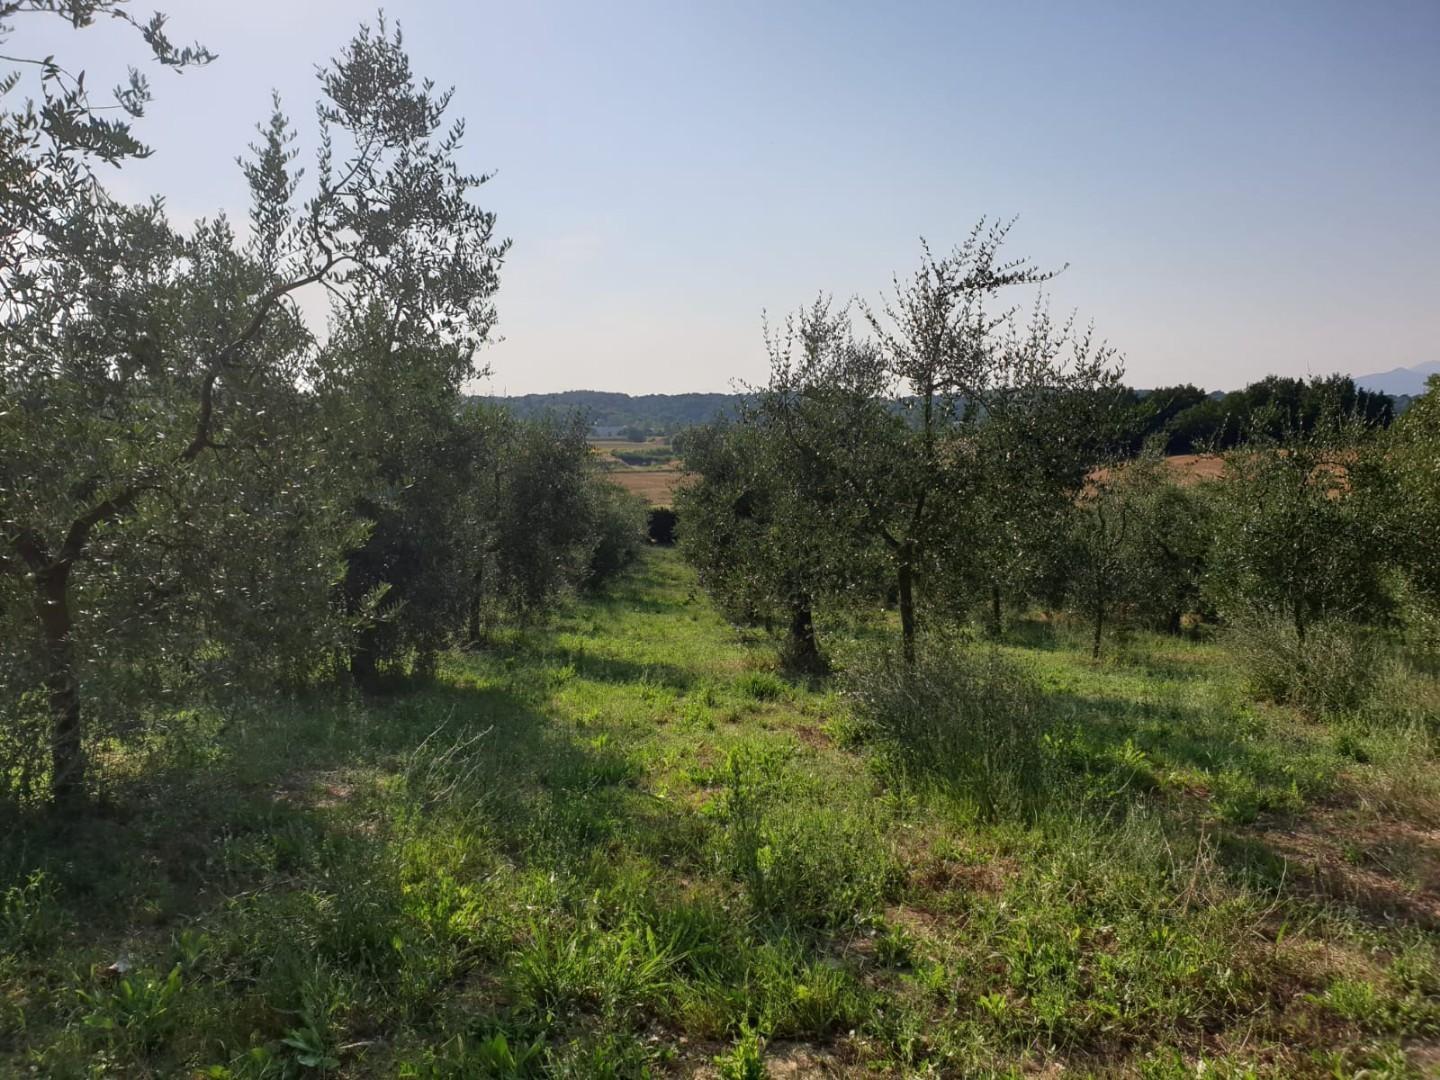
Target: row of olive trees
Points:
(917, 461)
(1332, 524)
(955, 460)
(198, 489)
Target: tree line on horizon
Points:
(1184, 418)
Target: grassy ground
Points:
(623, 844)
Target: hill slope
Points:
(656, 413)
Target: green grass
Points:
(623, 844)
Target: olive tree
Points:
(543, 519)
(1137, 541)
(403, 482)
(767, 539)
(1037, 450)
(893, 424)
(1099, 534)
(1411, 457)
(1295, 534)
(140, 364)
(1169, 547)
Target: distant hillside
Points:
(652, 413)
(1194, 418)
(1408, 382)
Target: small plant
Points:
(804, 863)
(895, 947)
(311, 1046)
(137, 1012)
(1237, 799)
(616, 970)
(995, 1005)
(311, 1043)
(746, 1059)
(191, 948)
(1356, 1001)
(493, 1057)
(29, 915)
(760, 686)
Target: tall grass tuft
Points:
(1333, 671)
(801, 858)
(964, 717)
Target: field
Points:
(624, 844)
(649, 469)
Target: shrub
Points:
(661, 525)
(1333, 670)
(972, 720)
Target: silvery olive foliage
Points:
(1412, 455)
(180, 453)
(897, 433)
(1299, 528)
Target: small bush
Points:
(760, 685)
(970, 719)
(1333, 671)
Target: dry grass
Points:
(1186, 468)
(656, 483)
(655, 486)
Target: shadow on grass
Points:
(526, 657)
(292, 841)
(154, 848)
(1176, 735)
(617, 670)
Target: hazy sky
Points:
(1237, 187)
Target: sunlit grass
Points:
(623, 842)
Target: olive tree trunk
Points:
(905, 580)
(62, 688)
(804, 648)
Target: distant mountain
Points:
(1407, 381)
(656, 413)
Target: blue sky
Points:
(1238, 188)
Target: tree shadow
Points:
(159, 839)
(1304, 848)
(586, 664)
(1172, 733)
